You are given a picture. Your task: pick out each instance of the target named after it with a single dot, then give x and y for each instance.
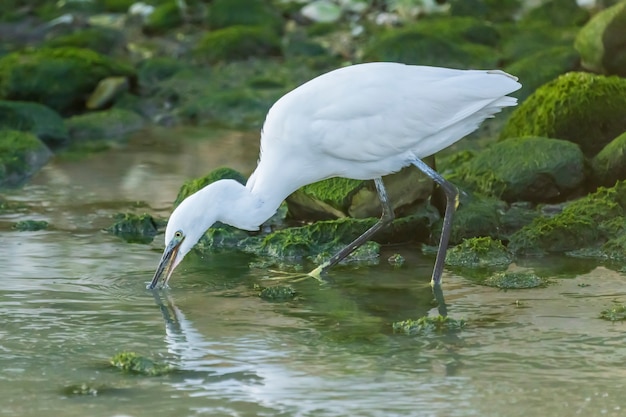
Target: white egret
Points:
(362, 122)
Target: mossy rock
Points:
(340, 197)
(617, 312)
(105, 124)
(35, 118)
(583, 108)
(99, 39)
(427, 326)
(579, 225)
(226, 13)
(489, 10)
(601, 41)
(412, 45)
(21, 155)
(518, 215)
(60, 78)
(609, 165)
(514, 280)
(559, 13)
(480, 252)
(276, 293)
(324, 237)
(541, 67)
(237, 43)
(117, 6)
(525, 169)
(134, 228)
(30, 225)
(166, 16)
(522, 40)
(152, 70)
(477, 216)
(132, 363)
(196, 184)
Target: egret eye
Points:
(178, 234)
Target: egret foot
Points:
(291, 276)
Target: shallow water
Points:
(73, 296)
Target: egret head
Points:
(184, 229)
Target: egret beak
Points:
(167, 264)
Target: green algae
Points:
(132, 363)
(479, 252)
(514, 280)
(30, 225)
(617, 312)
(134, 228)
(425, 326)
(193, 185)
(583, 108)
(276, 293)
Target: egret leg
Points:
(385, 219)
(452, 201)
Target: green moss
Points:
(337, 192)
(524, 169)
(21, 154)
(583, 108)
(105, 124)
(60, 78)
(325, 237)
(237, 43)
(476, 216)
(38, 119)
(559, 13)
(134, 228)
(577, 226)
(226, 13)
(541, 67)
(132, 363)
(609, 165)
(30, 225)
(514, 280)
(616, 313)
(191, 186)
(165, 17)
(153, 70)
(489, 10)
(396, 260)
(415, 45)
(480, 252)
(276, 293)
(425, 326)
(100, 39)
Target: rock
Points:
(164, 17)
(601, 41)
(134, 228)
(193, 185)
(609, 165)
(237, 43)
(107, 90)
(132, 363)
(21, 155)
(541, 67)
(489, 10)
(428, 326)
(276, 293)
(514, 280)
(479, 252)
(227, 13)
(35, 118)
(558, 13)
(573, 107)
(525, 169)
(105, 124)
(99, 39)
(30, 225)
(456, 43)
(341, 197)
(60, 78)
(586, 222)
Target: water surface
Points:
(73, 296)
